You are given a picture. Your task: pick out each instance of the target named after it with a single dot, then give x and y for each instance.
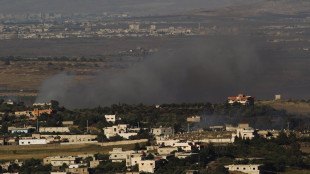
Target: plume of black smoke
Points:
(198, 70)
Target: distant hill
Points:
(135, 7)
(259, 7)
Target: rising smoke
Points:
(197, 70)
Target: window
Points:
(243, 168)
(253, 168)
(142, 164)
(151, 164)
(237, 168)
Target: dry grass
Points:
(41, 152)
(30, 74)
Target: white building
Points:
(120, 129)
(69, 138)
(166, 150)
(166, 142)
(32, 141)
(245, 133)
(245, 168)
(162, 131)
(183, 155)
(148, 166)
(42, 104)
(133, 159)
(186, 146)
(110, 118)
(118, 155)
(54, 129)
(194, 119)
(26, 113)
(59, 160)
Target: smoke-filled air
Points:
(200, 70)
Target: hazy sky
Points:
(137, 7)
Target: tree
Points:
(7, 61)
(55, 104)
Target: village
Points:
(160, 145)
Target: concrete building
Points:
(120, 129)
(21, 130)
(69, 138)
(246, 133)
(59, 160)
(166, 150)
(153, 27)
(23, 113)
(42, 104)
(217, 128)
(166, 142)
(183, 155)
(32, 141)
(277, 97)
(67, 123)
(94, 163)
(244, 168)
(194, 119)
(184, 145)
(118, 155)
(54, 129)
(243, 125)
(134, 27)
(81, 170)
(110, 118)
(241, 98)
(162, 131)
(230, 128)
(130, 156)
(133, 159)
(148, 166)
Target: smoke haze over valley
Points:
(198, 70)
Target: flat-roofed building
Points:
(166, 150)
(54, 129)
(59, 160)
(244, 168)
(162, 131)
(148, 166)
(32, 141)
(67, 123)
(110, 118)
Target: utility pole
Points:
(288, 125)
(37, 124)
(87, 126)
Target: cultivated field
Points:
(41, 152)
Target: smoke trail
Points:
(198, 70)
